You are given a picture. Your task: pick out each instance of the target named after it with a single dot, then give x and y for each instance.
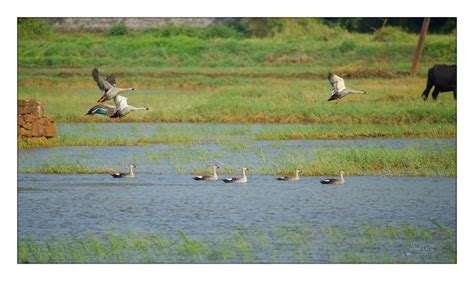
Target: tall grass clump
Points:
(393, 34)
(118, 30)
(33, 28)
(309, 28)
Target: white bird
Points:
(118, 111)
(209, 178)
(243, 179)
(340, 180)
(339, 89)
(295, 178)
(108, 86)
(130, 173)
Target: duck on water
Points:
(340, 180)
(130, 173)
(243, 179)
(214, 177)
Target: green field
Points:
(218, 75)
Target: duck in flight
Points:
(118, 111)
(339, 89)
(108, 86)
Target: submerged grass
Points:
(408, 161)
(292, 243)
(236, 138)
(431, 160)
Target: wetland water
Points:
(75, 205)
(164, 199)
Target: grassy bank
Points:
(296, 243)
(96, 135)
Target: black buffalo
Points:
(443, 78)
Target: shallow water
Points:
(163, 198)
(76, 205)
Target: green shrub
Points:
(309, 27)
(118, 30)
(33, 28)
(392, 34)
(347, 46)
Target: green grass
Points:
(266, 100)
(185, 76)
(291, 243)
(335, 48)
(356, 131)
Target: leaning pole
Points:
(419, 47)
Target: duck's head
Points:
(215, 166)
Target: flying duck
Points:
(209, 178)
(339, 89)
(118, 111)
(295, 178)
(108, 86)
(243, 179)
(130, 174)
(340, 180)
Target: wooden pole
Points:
(419, 47)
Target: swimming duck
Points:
(118, 111)
(209, 178)
(243, 179)
(339, 89)
(108, 86)
(335, 181)
(295, 178)
(130, 173)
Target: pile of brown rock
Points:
(31, 121)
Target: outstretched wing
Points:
(336, 82)
(111, 80)
(103, 84)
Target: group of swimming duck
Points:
(111, 92)
(242, 179)
(121, 108)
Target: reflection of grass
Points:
(293, 243)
